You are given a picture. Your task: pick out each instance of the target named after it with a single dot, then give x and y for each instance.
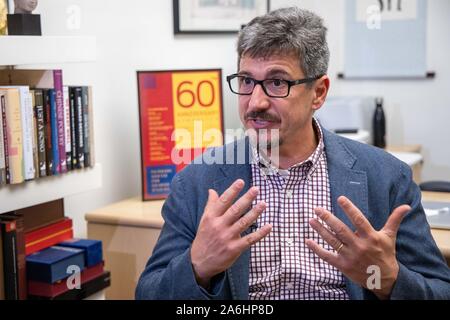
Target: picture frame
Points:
(180, 116)
(215, 16)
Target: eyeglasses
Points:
(274, 88)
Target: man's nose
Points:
(259, 99)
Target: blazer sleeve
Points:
(423, 273)
(168, 273)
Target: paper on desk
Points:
(435, 212)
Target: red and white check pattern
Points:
(282, 267)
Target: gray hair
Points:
(288, 31)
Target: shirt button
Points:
(289, 286)
(289, 194)
(289, 242)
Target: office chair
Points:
(436, 186)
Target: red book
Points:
(48, 236)
(42, 289)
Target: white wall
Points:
(138, 35)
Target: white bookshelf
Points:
(50, 188)
(25, 50)
(33, 50)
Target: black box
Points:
(24, 24)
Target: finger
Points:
(395, 219)
(355, 215)
(227, 198)
(212, 197)
(241, 206)
(247, 220)
(327, 256)
(245, 242)
(326, 235)
(341, 231)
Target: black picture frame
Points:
(180, 28)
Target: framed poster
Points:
(215, 16)
(180, 115)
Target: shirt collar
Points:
(312, 161)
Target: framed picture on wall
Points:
(181, 115)
(215, 16)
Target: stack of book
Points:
(40, 259)
(46, 128)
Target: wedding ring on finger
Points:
(340, 247)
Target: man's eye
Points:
(277, 82)
(247, 81)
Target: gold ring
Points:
(339, 248)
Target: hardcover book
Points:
(47, 236)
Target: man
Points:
(327, 218)
(24, 6)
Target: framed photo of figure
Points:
(215, 16)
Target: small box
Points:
(92, 249)
(52, 264)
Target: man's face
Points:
(291, 116)
(25, 5)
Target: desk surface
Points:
(147, 214)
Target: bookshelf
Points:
(27, 50)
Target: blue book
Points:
(93, 254)
(52, 264)
(54, 125)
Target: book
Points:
(43, 289)
(73, 138)
(79, 128)
(26, 118)
(2, 139)
(5, 135)
(19, 252)
(86, 125)
(40, 132)
(14, 151)
(34, 135)
(54, 132)
(54, 263)
(68, 128)
(47, 236)
(59, 101)
(87, 289)
(92, 249)
(10, 270)
(42, 215)
(48, 134)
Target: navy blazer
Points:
(372, 179)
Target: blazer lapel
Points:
(345, 181)
(238, 274)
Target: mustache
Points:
(261, 115)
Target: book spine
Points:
(5, 137)
(15, 136)
(2, 144)
(54, 125)
(27, 131)
(59, 99)
(10, 260)
(35, 135)
(40, 124)
(48, 134)
(48, 241)
(86, 133)
(67, 127)
(91, 128)
(73, 127)
(79, 127)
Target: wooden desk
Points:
(441, 236)
(129, 230)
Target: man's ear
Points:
(320, 88)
